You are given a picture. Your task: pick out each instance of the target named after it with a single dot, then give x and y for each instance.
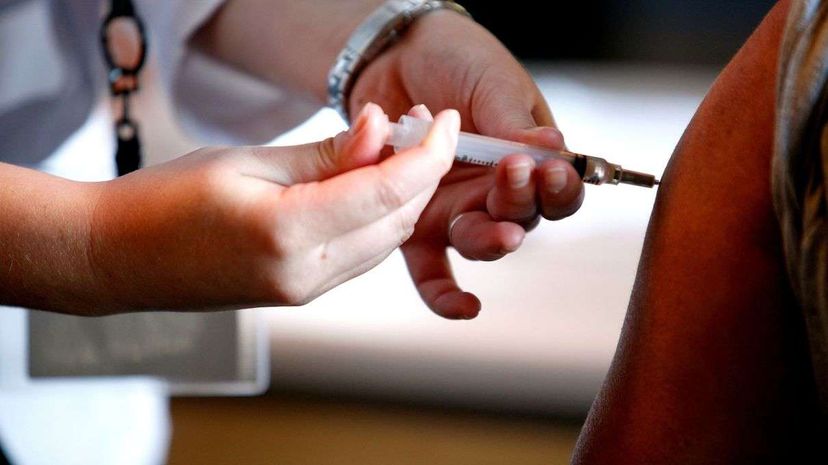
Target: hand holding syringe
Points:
(488, 151)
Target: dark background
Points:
(668, 31)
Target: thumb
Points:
(358, 146)
(516, 111)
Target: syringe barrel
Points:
(471, 148)
(488, 151)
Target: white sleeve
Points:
(213, 102)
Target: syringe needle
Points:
(488, 151)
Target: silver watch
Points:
(376, 33)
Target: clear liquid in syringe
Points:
(488, 151)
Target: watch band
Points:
(376, 33)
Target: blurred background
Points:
(366, 374)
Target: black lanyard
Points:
(3, 459)
(123, 81)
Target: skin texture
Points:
(487, 213)
(221, 227)
(234, 227)
(482, 213)
(712, 366)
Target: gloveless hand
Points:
(237, 227)
(447, 61)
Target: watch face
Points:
(196, 353)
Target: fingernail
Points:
(421, 108)
(449, 125)
(555, 179)
(454, 123)
(518, 174)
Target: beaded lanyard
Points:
(123, 78)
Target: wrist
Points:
(88, 290)
(378, 31)
(106, 247)
(126, 249)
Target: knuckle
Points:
(406, 225)
(326, 154)
(390, 193)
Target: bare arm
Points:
(444, 60)
(44, 235)
(712, 366)
(220, 228)
(289, 42)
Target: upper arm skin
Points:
(712, 366)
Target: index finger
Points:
(360, 197)
(516, 111)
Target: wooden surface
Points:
(292, 430)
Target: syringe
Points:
(487, 151)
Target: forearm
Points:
(712, 366)
(292, 43)
(44, 237)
